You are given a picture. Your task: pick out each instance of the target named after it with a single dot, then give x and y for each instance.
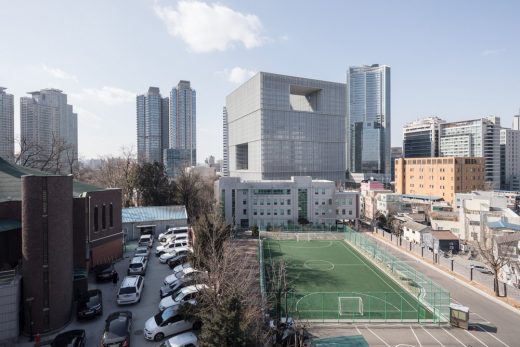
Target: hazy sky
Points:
(454, 59)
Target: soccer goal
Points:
(349, 305)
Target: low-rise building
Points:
(152, 220)
(441, 240)
(413, 231)
(442, 177)
(389, 203)
(284, 203)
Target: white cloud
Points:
(211, 27)
(86, 114)
(237, 74)
(492, 52)
(58, 73)
(107, 95)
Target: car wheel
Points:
(158, 337)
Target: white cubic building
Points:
(280, 126)
(284, 203)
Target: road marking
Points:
(386, 344)
(440, 343)
(493, 336)
(416, 336)
(476, 338)
(359, 331)
(447, 332)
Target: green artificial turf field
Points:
(330, 280)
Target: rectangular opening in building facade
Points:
(304, 98)
(242, 156)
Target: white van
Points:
(172, 231)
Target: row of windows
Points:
(269, 202)
(274, 212)
(343, 212)
(103, 217)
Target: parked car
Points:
(165, 257)
(71, 338)
(176, 275)
(90, 304)
(166, 248)
(105, 272)
(172, 231)
(187, 339)
(168, 322)
(169, 289)
(118, 329)
(182, 267)
(184, 295)
(175, 237)
(137, 266)
(177, 260)
(142, 251)
(146, 240)
(130, 290)
(482, 269)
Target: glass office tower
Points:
(368, 120)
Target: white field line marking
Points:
(440, 343)
(493, 336)
(378, 337)
(329, 244)
(418, 341)
(354, 252)
(359, 331)
(447, 332)
(476, 338)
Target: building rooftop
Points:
(444, 235)
(502, 224)
(151, 213)
(11, 183)
(422, 197)
(415, 226)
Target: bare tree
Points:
(497, 255)
(194, 192)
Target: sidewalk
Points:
(513, 302)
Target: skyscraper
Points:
(182, 150)
(225, 162)
(474, 138)
(510, 158)
(6, 125)
(49, 127)
(516, 122)
(282, 126)
(368, 120)
(152, 126)
(421, 138)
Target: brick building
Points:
(443, 177)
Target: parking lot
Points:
(141, 311)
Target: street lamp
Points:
(29, 302)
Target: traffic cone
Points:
(37, 339)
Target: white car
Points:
(176, 275)
(146, 240)
(181, 267)
(172, 231)
(188, 339)
(137, 266)
(187, 294)
(173, 253)
(130, 290)
(175, 237)
(167, 248)
(166, 323)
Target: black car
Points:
(105, 272)
(71, 338)
(90, 304)
(181, 283)
(118, 328)
(177, 260)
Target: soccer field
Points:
(330, 280)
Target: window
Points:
(343, 211)
(111, 215)
(288, 212)
(254, 213)
(244, 202)
(244, 211)
(96, 219)
(350, 212)
(288, 201)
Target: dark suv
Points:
(105, 272)
(118, 328)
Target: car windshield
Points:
(116, 328)
(179, 296)
(164, 315)
(135, 265)
(91, 301)
(127, 290)
(179, 274)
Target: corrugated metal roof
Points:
(151, 213)
(9, 224)
(501, 224)
(415, 226)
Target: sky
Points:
(453, 59)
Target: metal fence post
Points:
(452, 265)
